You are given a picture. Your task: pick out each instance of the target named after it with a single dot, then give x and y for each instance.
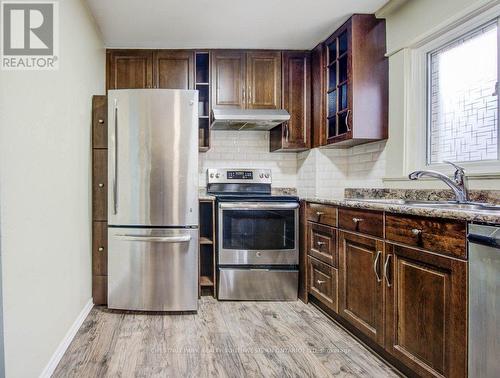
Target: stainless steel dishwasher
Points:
(484, 301)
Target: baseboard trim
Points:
(68, 338)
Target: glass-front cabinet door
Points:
(339, 91)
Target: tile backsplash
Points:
(248, 149)
(317, 172)
(327, 172)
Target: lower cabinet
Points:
(426, 307)
(322, 282)
(361, 290)
(410, 301)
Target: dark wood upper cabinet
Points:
(355, 84)
(129, 69)
(426, 307)
(295, 135)
(246, 80)
(174, 69)
(361, 290)
(228, 79)
(263, 80)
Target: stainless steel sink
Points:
(472, 206)
(383, 201)
(477, 206)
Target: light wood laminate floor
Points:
(225, 339)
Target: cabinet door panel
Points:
(426, 311)
(99, 185)
(297, 99)
(228, 79)
(130, 69)
(174, 69)
(100, 248)
(360, 289)
(318, 96)
(99, 122)
(264, 80)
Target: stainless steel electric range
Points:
(257, 236)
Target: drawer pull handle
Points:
(319, 213)
(357, 220)
(320, 282)
(101, 121)
(100, 249)
(101, 185)
(375, 266)
(385, 270)
(416, 231)
(320, 243)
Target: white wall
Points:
(248, 149)
(45, 120)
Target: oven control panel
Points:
(227, 176)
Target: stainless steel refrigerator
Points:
(153, 199)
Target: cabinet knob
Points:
(357, 220)
(319, 213)
(320, 282)
(320, 243)
(100, 249)
(100, 121)
(416, 231)
(101, 185)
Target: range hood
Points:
(248, 119)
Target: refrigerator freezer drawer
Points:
(153, 269)
(258, 284)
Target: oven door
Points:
(258, 233)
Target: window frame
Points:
(417, 107)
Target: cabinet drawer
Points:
(99, 122)
(99, 185)
(433, 234)
(363, 221)
(100, 248)
(319, 213)
(322, 243)
(323, 282)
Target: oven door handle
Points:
(259, 205)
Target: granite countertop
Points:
(482, 216)
(356, 197)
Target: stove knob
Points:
(211, 175)
(261, 175)
(217, 175)
(267, 175)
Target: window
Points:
(462, 99)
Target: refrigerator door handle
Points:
(115, 160)
(160, 239)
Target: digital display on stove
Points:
(239, 175)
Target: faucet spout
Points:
(457, 185)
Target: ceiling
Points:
(260, 24)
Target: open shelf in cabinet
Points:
(207, 274)
(202, 84)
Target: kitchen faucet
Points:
(458, 184)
